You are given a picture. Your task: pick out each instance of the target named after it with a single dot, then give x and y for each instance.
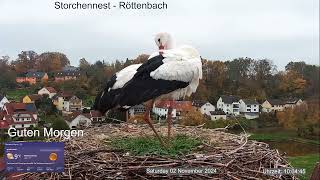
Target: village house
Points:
(72, 104)
(70, 68)
(3, 101)
(293, 102)
(19, 115)
(204, 107)
(229, 104)
(249, 108)
(96, 116)
(273, 105)
(50, 91)
(137, 110)
(58, 99)
(178, 108)
(31, 98)
(66, 75)
(67, 102)
(216, 115)
(77, 120)
(33, 77)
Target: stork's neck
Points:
(170, 44)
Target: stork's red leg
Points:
(148, 121)
(169, 118)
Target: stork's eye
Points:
(159, 40)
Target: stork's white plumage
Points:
(180, 64)
(125, 75)
(172, 73)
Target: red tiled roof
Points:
(65, 94)
(51, 89)
(4, 124)
(178, 105)
(2, 113)
(72, 116)
(11, 107)
(20, 107)
(95, 113)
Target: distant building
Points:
(73, 104)
(216, 115)
(31, 98)
(96, 116)
(137, 110)
(66, 75)
(178, 108)
(50, 91)
(59, 98)
(67, 102)
(229, 104)
(70, 68)
(19, 115)
(204, 107)
(249, 108)
(33, 77)
(78, 120)
(273, 105)
(293, 102)
(3, 101)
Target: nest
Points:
(233, 156)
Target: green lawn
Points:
(281, 135)
(17, 94)
(308, 162)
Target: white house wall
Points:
(206, 108)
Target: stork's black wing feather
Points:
(142, 87)
(107, 98)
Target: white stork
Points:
(173, 74)
(108, 98)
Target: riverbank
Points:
(308, 162)
(301, 152)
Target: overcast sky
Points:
(280, 30)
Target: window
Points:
(248, 106)
(22, 125)
(248, 109)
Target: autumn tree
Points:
(25, 62)
(52, 61)
(84, 64)
(304, 119)
(8, 75)
(292, 83)
(192, 118)
(142, 58)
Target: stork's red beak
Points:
(161, 47)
